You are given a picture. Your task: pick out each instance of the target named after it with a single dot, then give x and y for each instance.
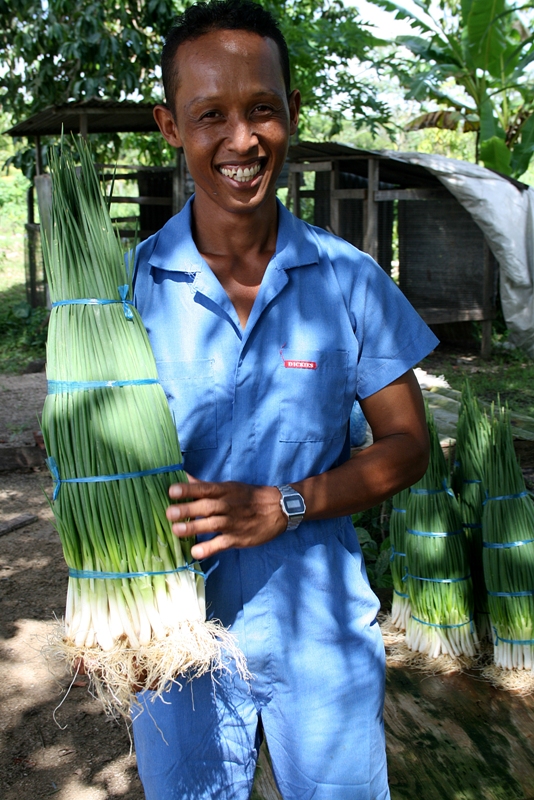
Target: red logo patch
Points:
(300, 364)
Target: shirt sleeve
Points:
(391, 336)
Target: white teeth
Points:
(241, 174)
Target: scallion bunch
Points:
(135, 612)
(438, 578)
(508, 553)
(471, 452)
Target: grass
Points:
(508, 375)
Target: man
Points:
(265, 330)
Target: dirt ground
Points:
(53, 742)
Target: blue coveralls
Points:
(270, 405)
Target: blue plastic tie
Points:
(85, 573)
(529, 593)
(401, 594)
(473, 480)
(436, 580)
(96, 301)
(438, 534)
(511, 641)
(396, 553)
(436, 625)
(53, 467)
(505, 497)
(398, 510)
(58, 387)
(444, 488)
(472, 524)
(506, 545)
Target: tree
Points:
(473, 60)
(53, 51)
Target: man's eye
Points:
(210, 115)
(262, 109)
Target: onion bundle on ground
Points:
(438, 578)
(471, 452)
(508, 552)
(400, 608)
(135, 609)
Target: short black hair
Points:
(225, 15)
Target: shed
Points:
(445, 265)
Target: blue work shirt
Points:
(271, 404)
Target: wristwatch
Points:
(293, 505)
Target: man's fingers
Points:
(197, 527)
(192, 491)
(209, 548)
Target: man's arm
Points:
(245, 515)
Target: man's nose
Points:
(241, 135)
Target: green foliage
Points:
(60, 51)
(375, 544)
(485, 47)
(23, 331)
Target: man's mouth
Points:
(241, 174)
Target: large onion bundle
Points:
(400, 607)
(438, 578)
(508, 554)
(471, 452)
(135, 607)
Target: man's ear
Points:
(294, 108)
(165, 121)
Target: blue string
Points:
(436, 625)
(529, 593)
(511, 641)
(505, 497)
(439, 534)
(94, 301)
(474, 480)
(398, 510)
(396, 553)
(85, 573)
(52, 466)
(58, 387)
(436, 580)
(444, 488)
(401, 594)
(506, 545)
(472, 524)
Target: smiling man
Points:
(265, 330)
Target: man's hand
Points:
(242, 515)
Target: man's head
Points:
(203, 18)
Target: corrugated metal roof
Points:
(103, 116)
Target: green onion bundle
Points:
(471, 451)
(400, 607)
(135, 613)
(438, 578)
(508, 554)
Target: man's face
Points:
(232, 117)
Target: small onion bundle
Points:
(400, 607)
(135, 612)
(508, 553)
(438, 578)
(471, 452)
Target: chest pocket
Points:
(313, 385)
(190, 390)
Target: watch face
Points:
(294, 504)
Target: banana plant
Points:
(473, 59)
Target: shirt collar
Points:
(176, 251)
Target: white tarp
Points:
(505, 214)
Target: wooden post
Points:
(335, 222)
(83, 126)
(370, 217)
(487, 292)
(38, 160)
(294, 188)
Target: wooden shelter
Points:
(374, 200)
(445, 266)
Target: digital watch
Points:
(293, 505)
